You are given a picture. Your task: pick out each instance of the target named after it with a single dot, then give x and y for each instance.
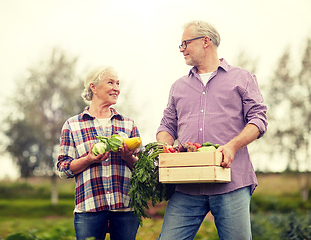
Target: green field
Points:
(277, 212)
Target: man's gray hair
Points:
(202, 28)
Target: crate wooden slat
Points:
(190, 159)
(207, 174)
(192, 167)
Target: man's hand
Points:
(228, 155)
(248, 135)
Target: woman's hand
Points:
(79, 165)
(91, 158)
(127, 155)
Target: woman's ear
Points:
(92, 87)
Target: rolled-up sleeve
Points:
(169, 120)
(255, 111)
(66, 154)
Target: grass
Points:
(36, 216)
(149, 231)
(35, 208)
(25, 207)
(38, 226)
(277, 184)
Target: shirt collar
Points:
(223, 64)
(114, 113)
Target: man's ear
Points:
(207, 42)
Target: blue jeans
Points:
(185, 213)
(122, 225)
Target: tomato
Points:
(171, 150)
(197, 145)
(189, 143)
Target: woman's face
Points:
(108, 89)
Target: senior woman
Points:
(102, 181)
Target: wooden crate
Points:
(192, 167)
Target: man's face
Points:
(193, 54)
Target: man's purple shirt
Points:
(216, 113)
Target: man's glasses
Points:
(184, 43)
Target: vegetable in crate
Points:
(207, 144)
(169, 149)
(183, 147)
(197, 145)
(207, 149)
(191, 148)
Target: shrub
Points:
(25, 190)
(277, 226)
(22, 190)
(281, 204)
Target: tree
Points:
(44, 100)
(289, 100)
(243, 60)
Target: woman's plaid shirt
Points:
(105, 185)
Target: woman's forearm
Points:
(131, 161)
(79, 165)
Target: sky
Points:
(140, 39)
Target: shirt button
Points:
(202, 110)
(201, 129)
(203, 92)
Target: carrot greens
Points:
(145, 185)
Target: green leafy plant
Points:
(145, 185)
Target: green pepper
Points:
(207, 144)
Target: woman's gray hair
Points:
(202, 28)
(95, 75)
